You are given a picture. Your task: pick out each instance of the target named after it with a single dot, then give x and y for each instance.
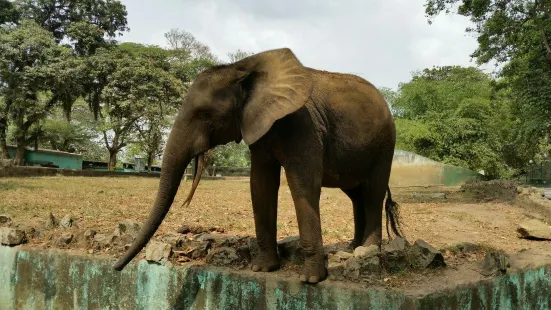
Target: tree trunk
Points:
(149, 162)
(20, 154)
(112, 160)
(3, 144)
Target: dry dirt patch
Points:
(101, 203)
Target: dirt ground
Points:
(101, 203)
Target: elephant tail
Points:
(392, 216)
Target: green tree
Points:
(60, 17)
(163, 101)
(34, 71)
(129, 89)
(515, 34)
(450, 114)
(8, 13)
(238, 55)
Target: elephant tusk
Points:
(200, 163)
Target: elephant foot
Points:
(314, 270)
(265, 263)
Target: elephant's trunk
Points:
(175, 160)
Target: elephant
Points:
(325, 129)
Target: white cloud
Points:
(382, 41)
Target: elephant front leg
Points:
(305, 185)
(265, 178)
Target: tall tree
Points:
(451, 114)
(33, 73)
(515, 34)
(132, 89)
(162, 103)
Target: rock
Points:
(219, 239)
(495, 263)
(223, 256)
(427, 255)
(370, 265)
(89, 234)
(467, 247)
(395, 246)
(127, 227)
(352, 268)
(335, 269)
(12, 236)
(66, 221)
(244, 253)
(158, 252)
(216, 229)
(341, 256)
(65, 238)
(122, 241)
(86, 238)
(175, 240)
(103, 240)
(195, 249)
(193, 229)
(334, 248)
(429, 195)
(336, 262)
(547, 194)
(5, 221)
(51, 221)
(535, 229)
(369, 251)
(30, 232)
(290, 249)
(184, 229)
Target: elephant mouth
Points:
(200, 164)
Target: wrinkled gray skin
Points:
(325, 129)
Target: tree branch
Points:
(546, 43)
(105, 139)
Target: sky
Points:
(383, 41)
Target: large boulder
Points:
(534, 229)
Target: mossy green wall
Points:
(63, 160)
(56, 280)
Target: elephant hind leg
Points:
(374, 195)
(357, 195)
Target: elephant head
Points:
(225, 103)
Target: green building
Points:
(49, 158)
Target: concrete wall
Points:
(410, 169)
(56, 280)
(61, 159)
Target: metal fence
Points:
(538, 173)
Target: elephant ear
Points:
(276, 84)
